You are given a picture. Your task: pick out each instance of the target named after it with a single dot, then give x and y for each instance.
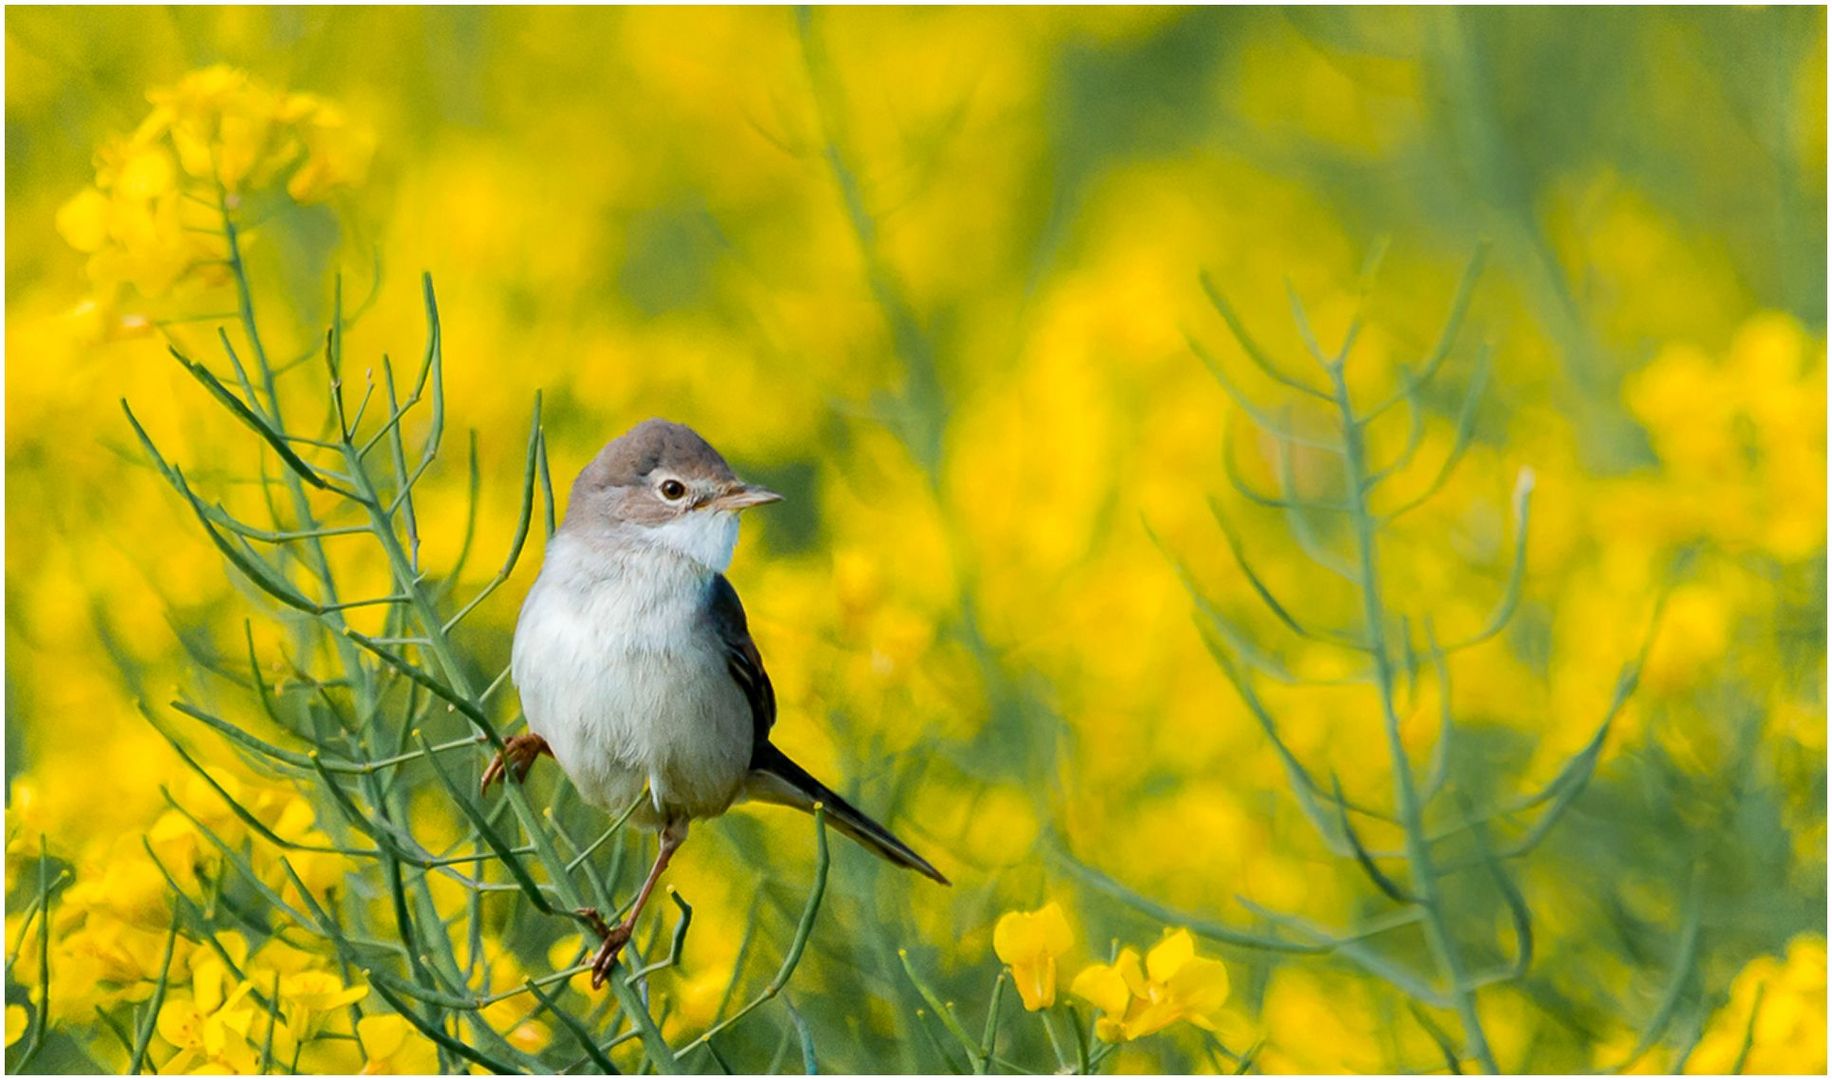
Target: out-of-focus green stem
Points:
(946, 1015)
(989, 1035)
(1425, 882)
(43, 1020)
(1049, 1031)
(803, 930)
(145, 1038)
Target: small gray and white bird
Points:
(635, 665)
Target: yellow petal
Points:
(83, 221)
(1152, 1017)
(295, 819)
(147, 172)
(1015, 939)
(1036, 983)
(238, 1020)
(235, 945)
(207, 985)
(193, 150)
(1024, 936)
(1128, 966)
(1200, 988)
(215, 1036)
(314, 990)
(1169, 956)
(1104, 987)
(357, 993)
(1053, 927)
(16, 1023)
(381, 1034)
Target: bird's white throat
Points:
(708, 537)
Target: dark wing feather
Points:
(726, 614)
(781, 779)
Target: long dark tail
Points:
(774, 778)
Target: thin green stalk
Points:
(1424, 875)
(273, 1021)
(1749, 1033)
(810, 1067)
(944, 1013)
(989, 1035)
(145, 1037)
(584, 1037)
(1049, 1030)
(36, 1041)
(797, 945)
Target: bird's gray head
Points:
(660, 483)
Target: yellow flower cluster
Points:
(1775, 1020)
(112, 927)
(1742, 438)
(1173, 984)
(1135, 999)
(218, 1024)
(154, 218)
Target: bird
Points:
(636, 666)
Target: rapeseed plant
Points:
(981, 284)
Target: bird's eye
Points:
(673, 489)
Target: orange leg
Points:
(673, 835)
(516, 757)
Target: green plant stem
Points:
(414, 594)
(989, 1035)
(42, 1026)
(302, 505)
(803, 930)
(145, 1037)
(1049, 1031)
(1425, 884)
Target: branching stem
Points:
(1424, 874)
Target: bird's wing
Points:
(726, 615)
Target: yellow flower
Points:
(306, 996)
(1029, 942)
(1779, 1006)
(391, 1046)
(1173, 984)
(16, 1023)
(210, 1027)
(337, 152)
(148, 222)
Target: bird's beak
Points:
(745, 496)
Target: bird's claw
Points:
(518, 754)
(594, 920)
(492, 774)
(615, 938)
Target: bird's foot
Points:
(594, 920)
(517, 757)
(615, 938)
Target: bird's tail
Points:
(776, 779)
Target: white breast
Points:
(628, 685)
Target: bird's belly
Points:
(625, 702)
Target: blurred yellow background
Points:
(930, 273)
